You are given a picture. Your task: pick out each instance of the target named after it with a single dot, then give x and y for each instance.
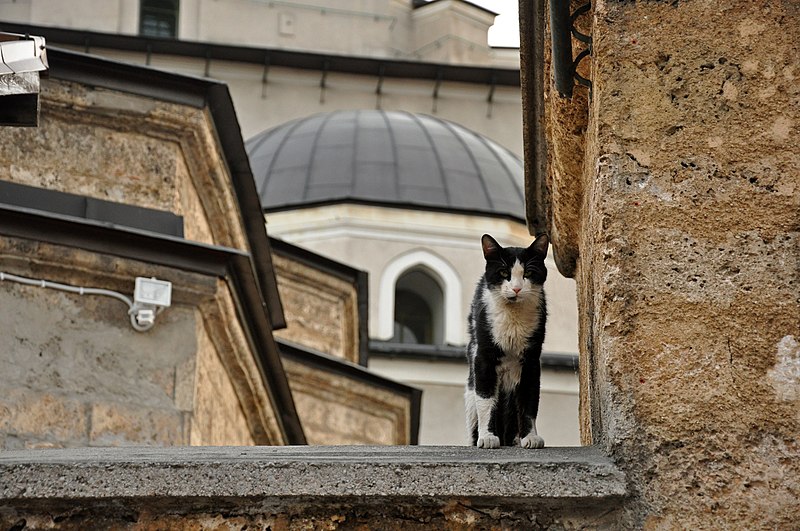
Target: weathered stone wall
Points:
(127, 149)
(335, 409)
(689, 259)
(218, 416)
(321, 310)
(565, 124)
(72, 370)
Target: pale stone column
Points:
(688, 258)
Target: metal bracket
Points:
(379, 88)
(562, 30)
(323, 81)
(264, 77)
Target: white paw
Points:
(532, 441)
(488, 441)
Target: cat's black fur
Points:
(506, 332)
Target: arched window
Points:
(434, 281)
(158, 18)
(418, 309)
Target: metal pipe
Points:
(561, 40)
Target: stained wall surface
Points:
(321, 309)
(688, 258)
(74, 372)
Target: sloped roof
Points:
(386, 157)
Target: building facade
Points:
(287, 61)
(682, 231)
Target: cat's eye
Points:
(504, 273)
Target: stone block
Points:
(114, 424)
(185, 379)
(336, 409)
(688, 248)
(217, 415)
(43, 418)
(321, 309)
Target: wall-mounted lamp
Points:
(23, 58)
(150, 296)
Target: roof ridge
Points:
(451, 128)
(436, 155)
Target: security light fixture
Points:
(151, 291)
(23, 58)
(150, 297)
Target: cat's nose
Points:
(516, 290)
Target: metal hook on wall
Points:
(562, 30)
(323, 81)
(436, 90)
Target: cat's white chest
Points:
(512, 324)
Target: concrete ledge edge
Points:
(281, 476)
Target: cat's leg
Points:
(533, 439)
(528, 404)
(472, 416)
(485, 407)
(486, 403)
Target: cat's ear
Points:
(491, 249)
(539, 246)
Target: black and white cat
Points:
(506, 332)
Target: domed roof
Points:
(393, 158)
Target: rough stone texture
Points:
(689, 253)
(321, 309)
(218, 416)
(74, 373)
(335, 409)
(239, 368)
(127, 149)
(77, 358)
(72, 370)
(565, 125)
(311, 488)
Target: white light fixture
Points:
(150, 297)
(153, 292)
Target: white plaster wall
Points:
(292, 93)
(367, 28)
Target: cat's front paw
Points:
(532, 441)
(488, 441)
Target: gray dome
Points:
(393, 158)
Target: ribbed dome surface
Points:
(396, 158)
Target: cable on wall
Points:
(151, 296)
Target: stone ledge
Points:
(278, 478)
